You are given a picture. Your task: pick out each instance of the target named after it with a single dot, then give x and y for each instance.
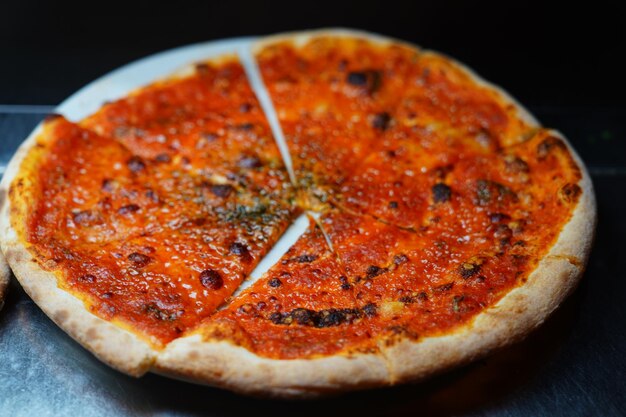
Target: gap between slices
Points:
(377, 259)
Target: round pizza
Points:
(444, 221)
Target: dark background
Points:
(563, 61)
(545, 54)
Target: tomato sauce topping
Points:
(303, 306)
(436, 197)
(156, 208)
(363, 121)
(483, 235)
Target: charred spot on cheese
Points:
(344, 283)
(304, 316)
(135, 164)
(323, 318)
(127, 209)
(357, 78)
(400, 259)
(515, 165)
(393, 204)
(443, 288)
(569, 193)
(457, 301)
(374, 271)
(85, 217)
(499, 217)
(415, 296)
(221, 190)
(249, 162)
(368, 80)
(109, 185)
(139, 259)
(163, 158)
(211, 279)
(206, 137)
(369, 310)
(488, 192)
(244, 126)
(240, 249)
(162, 314)
(548, 145)
(471, 267)
(276, 318)
(441, 193)
(381, 121)
(306, 258)
(246, 308)
(503, 233)
(274, 282)
(87, 279)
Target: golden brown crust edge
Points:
(222, 364)
(111, 344)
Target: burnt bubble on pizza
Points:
(449, 222)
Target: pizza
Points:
(444, 222)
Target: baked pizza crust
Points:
(223, 364)
(5, 277)
(112, 344)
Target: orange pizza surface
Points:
(156, 208)
(436, 198)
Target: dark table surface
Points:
(565, 68)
